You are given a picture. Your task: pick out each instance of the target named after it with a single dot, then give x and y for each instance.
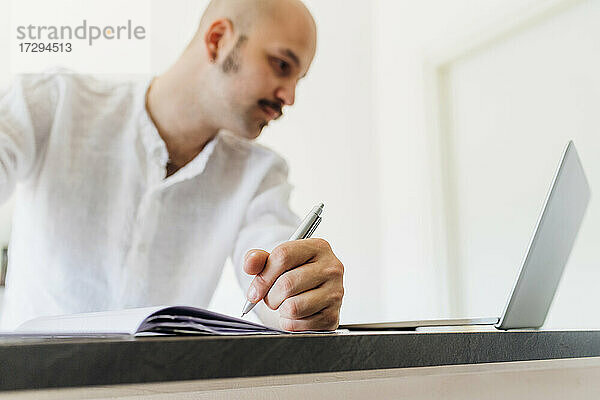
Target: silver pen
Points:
(305, 230)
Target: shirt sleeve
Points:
(26, 114)
(269, 221)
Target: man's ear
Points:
(217, 36)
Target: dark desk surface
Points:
(35, 363)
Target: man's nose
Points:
(287, 94)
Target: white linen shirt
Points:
(98, 226)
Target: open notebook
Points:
(146, 321)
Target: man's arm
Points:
(268, 222)
(26, 114)
(302, 279)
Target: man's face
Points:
(260, 73)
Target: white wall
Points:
(514, 106)
(406, 34)
(409, 38)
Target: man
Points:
(132, 195)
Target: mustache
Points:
(275, 105)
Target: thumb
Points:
(254, 261)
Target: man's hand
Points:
(303, 279)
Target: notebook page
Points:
(178, 319)
(105, 322)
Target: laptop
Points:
(544, 262)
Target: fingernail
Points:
(252, 294)
(248, 255)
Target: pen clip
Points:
(312, 228)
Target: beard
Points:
(249, 123)
(251, 118)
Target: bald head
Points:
(244, 14)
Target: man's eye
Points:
(281, 66)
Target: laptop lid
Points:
(550, 246)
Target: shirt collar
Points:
(154, 145)
(156, 148)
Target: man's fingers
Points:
(325, 320)
(254, 261)
(308, 303)
(294, 282)
(284, 257)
